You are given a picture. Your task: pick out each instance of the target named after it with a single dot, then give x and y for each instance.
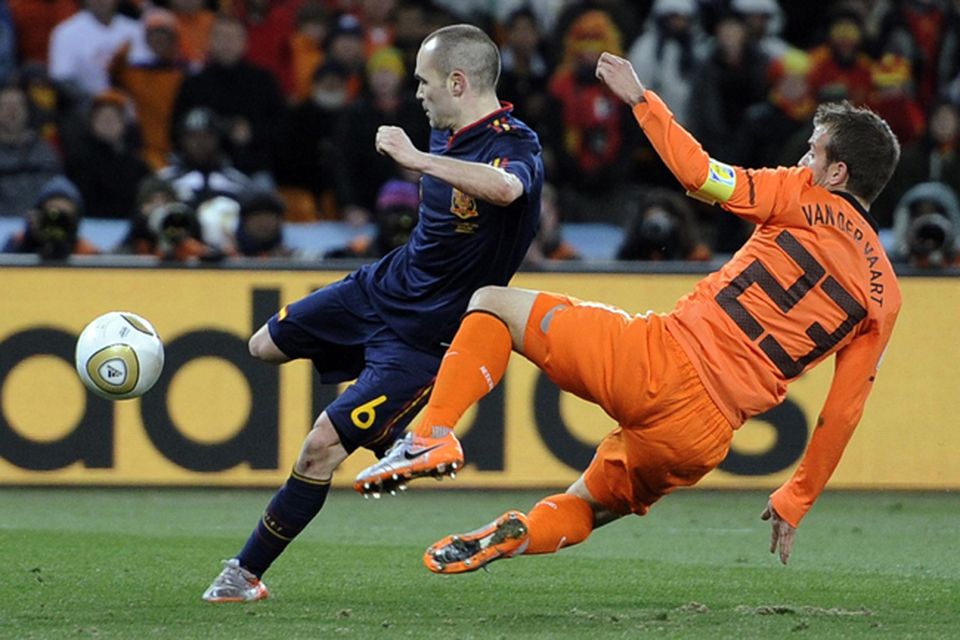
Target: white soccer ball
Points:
(119, 356)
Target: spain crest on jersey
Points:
(462, 205)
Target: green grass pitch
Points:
(133, 563)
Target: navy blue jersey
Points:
(460, 243)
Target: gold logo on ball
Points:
(127, 356)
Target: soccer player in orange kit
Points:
(812, 280)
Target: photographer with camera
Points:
(178, 234)
(664, 228)
(52, 224)
(926, 226)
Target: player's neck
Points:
(476, 110)
(843, 188)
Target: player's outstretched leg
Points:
(471, 368)
(554, 523)
(235, 584)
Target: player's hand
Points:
(618, 74)
(782, 533)
(394, 142)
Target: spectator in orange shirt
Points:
(52, 225)
(307, 47)
(194, 23)
(153, 85)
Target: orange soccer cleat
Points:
(411, 457)
(505, 537)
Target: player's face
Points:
(433, 91)
(816, 156)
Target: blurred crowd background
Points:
(202, 130)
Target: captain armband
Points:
(719, 185)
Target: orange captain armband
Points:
(719, 185)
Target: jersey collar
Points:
(474, 128)
(860, 209)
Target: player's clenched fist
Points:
(618, 74)
(394, 142)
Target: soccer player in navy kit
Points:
(388, 323)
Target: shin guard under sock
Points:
(558, 521)
(292, 509)
(472, 367)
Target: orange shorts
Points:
(670, 432)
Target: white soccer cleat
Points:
(411, 457)
(235, 584)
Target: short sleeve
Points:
(517, 156)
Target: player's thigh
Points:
(635, 466)
(389, 392)
(331, 327)
(576, 344)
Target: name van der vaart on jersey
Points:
(824, 214)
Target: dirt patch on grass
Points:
(786, 609)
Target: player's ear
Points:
(837, 174)
(457, 83)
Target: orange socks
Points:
(471, 368)
(558, 521)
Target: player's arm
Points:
(486, 182)
(854, 373)
(750, 194)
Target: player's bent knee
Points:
(322, 450)
(509, 304)
(601, 514)
(490, 298)
(261, 347)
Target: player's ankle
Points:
(433, 431)
(439, 431)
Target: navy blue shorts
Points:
(338, 329)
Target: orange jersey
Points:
(812, 280)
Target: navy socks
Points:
(290, 511)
